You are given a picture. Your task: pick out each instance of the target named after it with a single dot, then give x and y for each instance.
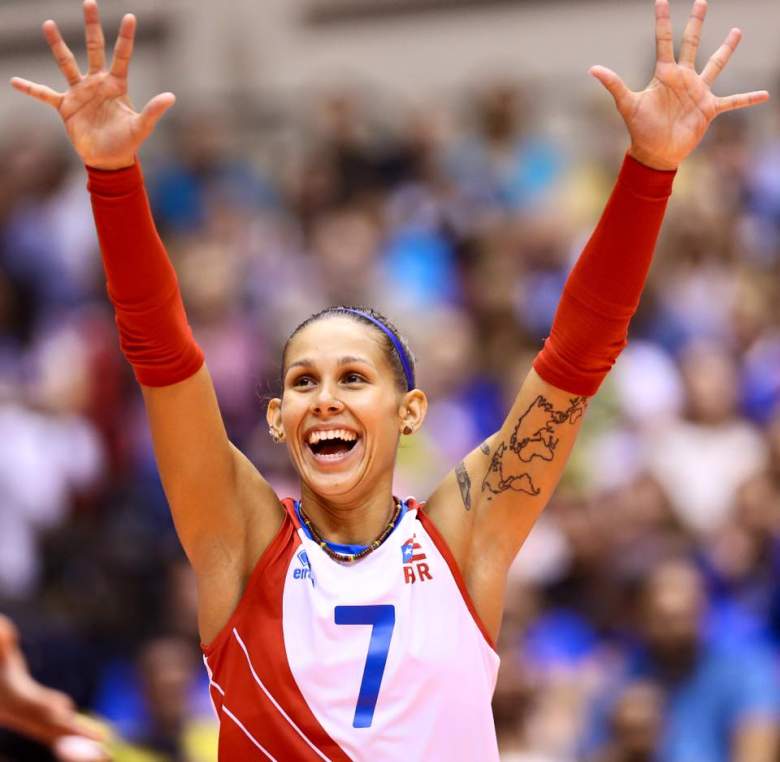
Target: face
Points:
(711, 383)
(637, 720)
(341, 411)
(674, 601)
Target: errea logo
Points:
(304, 571)
(413, 559)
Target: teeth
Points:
(319, 436)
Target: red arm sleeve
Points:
(602, 292)
(153, 330)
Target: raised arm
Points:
(486, 507)
(225, 513)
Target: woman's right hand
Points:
(101, 123)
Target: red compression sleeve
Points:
(153, 330)
(602, 292)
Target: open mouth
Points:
(331, 445)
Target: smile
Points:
(331, 446)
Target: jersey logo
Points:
(412, 558)
(305, 572)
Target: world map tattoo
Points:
(464, 482)
(535, 437)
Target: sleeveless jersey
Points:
(382, 660)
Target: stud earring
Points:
(407, 430)
(275, 435)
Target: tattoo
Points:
(534, 438)
(485, 448)
(464, 482)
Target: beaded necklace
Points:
(348, 558)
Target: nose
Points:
(324, 403)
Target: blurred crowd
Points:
(643, 614)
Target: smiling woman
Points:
(351, 624)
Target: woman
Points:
(349, 624)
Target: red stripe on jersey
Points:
(443, 548)
(261, 709)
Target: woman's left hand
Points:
(668, 119)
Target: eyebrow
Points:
(348, 360)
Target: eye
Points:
(302, 381)
(353, 378)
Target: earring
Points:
(407, 430)
(275, 435)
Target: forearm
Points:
(602, 292)
(154, 334)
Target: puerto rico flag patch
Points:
(414, 562)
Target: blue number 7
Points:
(383, 620)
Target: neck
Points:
(349, 521)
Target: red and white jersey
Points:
(382, 660)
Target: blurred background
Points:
(443, 161)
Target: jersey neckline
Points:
(347, 549)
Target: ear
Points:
(412, 410)
(273, 414)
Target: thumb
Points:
(614, 84)
(152, 112)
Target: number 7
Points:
(383, 620)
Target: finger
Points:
(29, 716)
(77, 749)
(720, 57)
(74, 748)
(615, 85)
(664, 35)
(61, 53)
(152, 113)
(742, 100)
(41, 92)
(692, 34)
(123, 50)
(60, 706)
(46, 715)
(96, 44)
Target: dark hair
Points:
(391, 351)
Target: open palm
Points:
(668, 119)
(101, 123)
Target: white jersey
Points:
(383, 659)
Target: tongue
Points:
(332, 447)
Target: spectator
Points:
(721, 703)
(701, 460)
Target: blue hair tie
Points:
(400, 351)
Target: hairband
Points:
(396, 343)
